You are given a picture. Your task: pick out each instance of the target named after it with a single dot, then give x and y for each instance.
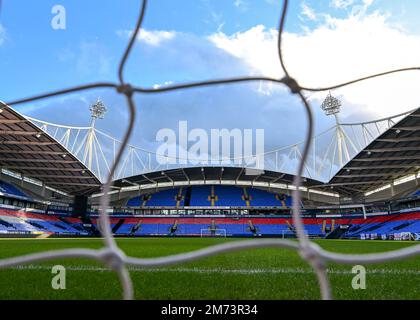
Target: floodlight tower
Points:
(97, 111)
(331, 106)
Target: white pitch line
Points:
(223, 271)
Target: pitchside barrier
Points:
(115, 259)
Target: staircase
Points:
(117, 225)
(246, 198)
(173, 228)
(135, 228)
(252, 228)
(74, 226)
(337, 233)
(7, 224)
(291, 228)
(187, 200)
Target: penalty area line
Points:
(222, 271)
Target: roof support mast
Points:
(98, 111)
(331, 106)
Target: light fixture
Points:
(38, 135)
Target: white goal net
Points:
(112, 256)
(212, 233)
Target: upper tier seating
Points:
(209, 196)
(416, 194)
(230, 196)
(166, 198)
(11, 190)
(261, 198)
(200, 196)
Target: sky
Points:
(325, 42)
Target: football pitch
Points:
(250, 274)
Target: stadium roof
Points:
(211, 175)
(29, 151)
(393, 155)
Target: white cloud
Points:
(308, 12)
(2, 34)
(255, 47)
(341, 4)
(241, 5)
(151, 37)
(337, 51)
(159, 85)
(238, 3)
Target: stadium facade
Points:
(48, 189)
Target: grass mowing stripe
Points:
(267, 273)
(238, 271)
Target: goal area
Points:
(208, 233)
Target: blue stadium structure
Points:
(46, 191)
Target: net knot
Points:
(310, 252)
(292, 84)
(126, 89)
(112, 257)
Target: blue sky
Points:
(325, 42)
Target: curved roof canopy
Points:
(393, 155)
(29, 151)
(212, 175)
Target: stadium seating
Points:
(21, 222)
(18, 221)
(200, 196)
(166, 198)
(270, 227)
(230, 196)
(206, 196)
(261, 198)
(386, 225)
(10, 190)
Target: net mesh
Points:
(113, 257)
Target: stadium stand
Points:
(10, 190)
(166, 198)
(211, 196)
(22, 217)
(230, 196)
(267, 227)
(18, 221)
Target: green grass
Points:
(252, 274)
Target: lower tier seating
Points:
(277, 227)
(15, 221)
